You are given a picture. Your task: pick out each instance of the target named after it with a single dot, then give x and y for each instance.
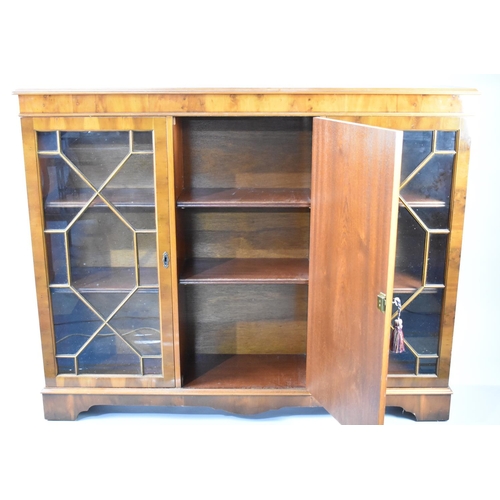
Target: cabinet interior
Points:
(243, 222)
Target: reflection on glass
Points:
(133, 184)
(445, 141)
(138, 322)
(438, 246)
(152, 366)
(421, 324)
(95, 154)
(433, 182)
(56, 258)
(422, 316)
(425, 346)
(410, 246)
(66, 365)
(146, 244)
(139, 218)
(102, 251)
(402, 364)
(426, 174)
(105, 302)
(142, 141)
(99, 209)
(108, 353)
(47, 141)
(428, 366)
(417, 145)
(434, 217)
(64, 191)
(74, 322)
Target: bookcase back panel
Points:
(246, 319)
(245, 233)
(248, 152)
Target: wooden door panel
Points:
(107, 311)
(355, 181)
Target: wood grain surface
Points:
(353, 227)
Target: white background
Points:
(122, 45)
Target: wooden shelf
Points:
(247, 371)
(415, 200)
(245, 198)
(405, 283)
(234, 271)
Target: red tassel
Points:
(398, 340)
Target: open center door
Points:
(354, 201)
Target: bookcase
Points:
(241, 249)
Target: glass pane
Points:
(152, 366)
(102, 253)
(417, 145)
(74, 322)
(65, 365)
(422, 316)
(424, 345)
(445, 141)
(64, 191)
(409, 250)
(434, 217)
(47, 141)
(138, 322)
(105, 302)
(142, 141)
(437, 259)
(105, 330)
(139, 218)
(95, 154)
(428, 367)
(136, 174)
(107, 353)
(402, 363)
(432, 184)
(56, 257)
(148, 274)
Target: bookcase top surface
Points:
(264, 102)
(420, 91)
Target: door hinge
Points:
(382, 301)
(166, 260)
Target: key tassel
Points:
(398, 340)
(397, 337)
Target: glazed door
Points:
(103, 236)
(355, 179)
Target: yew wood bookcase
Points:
(240, 249)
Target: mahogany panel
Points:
(353, 236)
